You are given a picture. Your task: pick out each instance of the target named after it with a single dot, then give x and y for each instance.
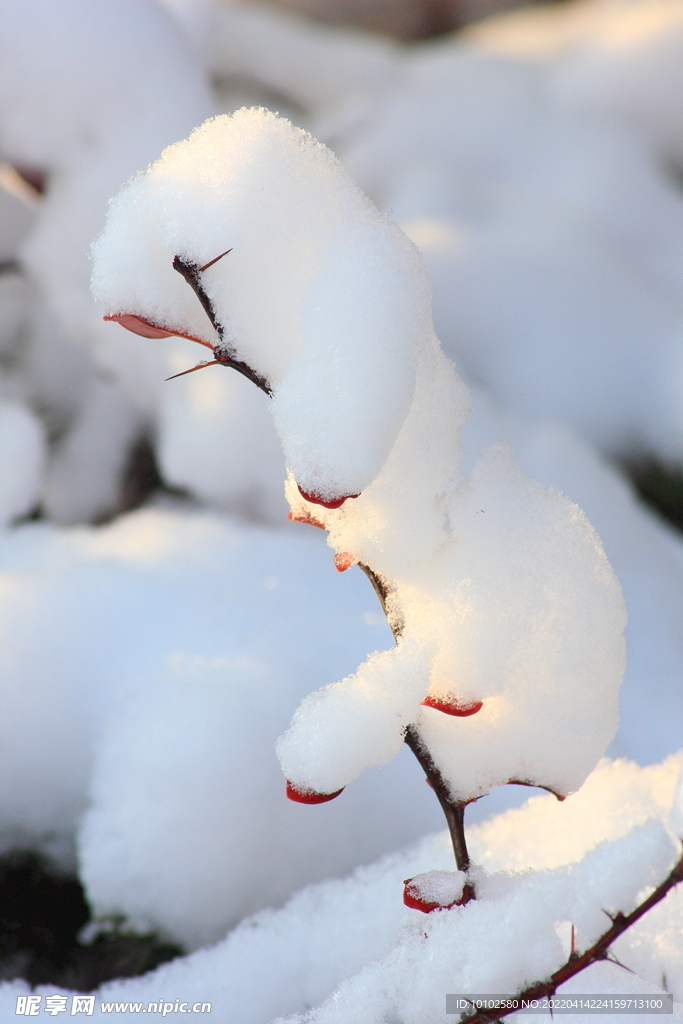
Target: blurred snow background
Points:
(152, 655)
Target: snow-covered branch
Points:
(577, 962)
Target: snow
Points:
(121, 96)
(354, 937)
(312, 269)
(172, 631)
(495, 548)
(548, 213)
(470, 949)
(216, 440)
(22, 460)
(336, 320)
(149, 665)
(358, 723)
(645, 555)
(310, 65)
(628, 67)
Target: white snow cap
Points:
(439, 888)
(320, 295)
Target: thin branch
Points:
(382, 590)
(452, 809)
(222, 353)
(378, 585)
(580, 961)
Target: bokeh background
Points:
(160, 618)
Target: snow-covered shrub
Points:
(506, 615)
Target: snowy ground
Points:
(149, 664)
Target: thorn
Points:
(211, 262)
(572, 951)
(199, 366)
(613, 960)
(612, 917)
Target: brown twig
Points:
(578, 962)
(223, 354)
(453, 810)
(381, 589)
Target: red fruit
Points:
(309, 796)
(316, 499)
(453, 707)
(413, 899)
(343, 561)
(138, 325)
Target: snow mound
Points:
(349, 950)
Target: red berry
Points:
(316, 499)
(309, 796)
(451, 706)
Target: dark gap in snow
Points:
(673, 172)
(660, 485)
(42, 912)
(34, 515)
(141, 476)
